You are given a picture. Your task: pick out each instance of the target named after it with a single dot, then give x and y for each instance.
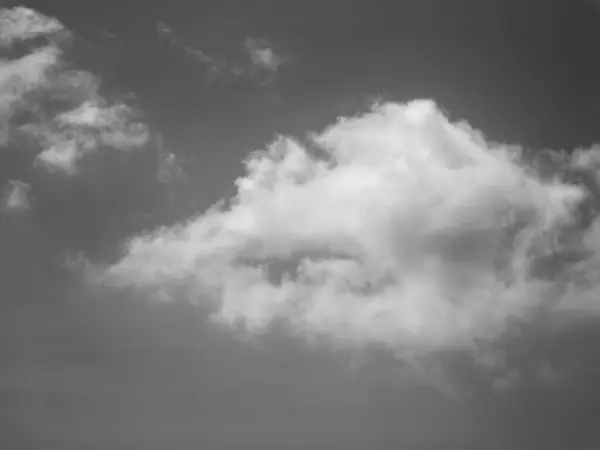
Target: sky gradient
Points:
(166, 102)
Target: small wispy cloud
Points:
(169, 34)
(169, 169)
(85, 129)
(262, 54)
(257, 60)
(19, 24)
(15, 199)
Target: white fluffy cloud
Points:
(398, 229)
(57, 108)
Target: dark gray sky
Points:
(86, 368)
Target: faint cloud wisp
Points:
(257, 61)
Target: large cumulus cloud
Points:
(398, 229)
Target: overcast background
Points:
(98, 369)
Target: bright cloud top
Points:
(397, 228)
(56, 109)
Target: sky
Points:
(299, 225)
